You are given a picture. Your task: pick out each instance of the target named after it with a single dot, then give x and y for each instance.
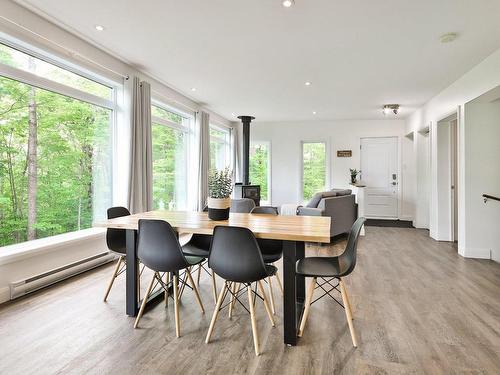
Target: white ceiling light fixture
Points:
(448, 37)
(307, 83)
(314, 112)
(288, 3)
(99, 27)
(388, 108)
(193, 89)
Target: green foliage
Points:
(220, 183)
(354, 172)
(73, 161)
(314, 168)
(259, 156)
(169, 168)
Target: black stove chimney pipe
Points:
(246, 120)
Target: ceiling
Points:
(253, 57)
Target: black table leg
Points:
(132, 273)
(294, 290)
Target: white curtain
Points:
(235, 142)
(203, 122)
(140, 197)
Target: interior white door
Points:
(379, 172)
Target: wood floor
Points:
(418, 308)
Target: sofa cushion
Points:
(339, 192)
(313, 203)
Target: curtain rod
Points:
(172, 100)
(69, 51)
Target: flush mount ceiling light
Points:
(193, 88)
(448, 37)
(288, 3)
(307, 83)
(99, 27)
(314, 112)
(388, 108)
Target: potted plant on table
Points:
(220, 186)
(354, 175)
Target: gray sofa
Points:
(339, 204)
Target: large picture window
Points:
(55, 150)
(220, 147)
(170, 138)
(314, 168)
(260, 168)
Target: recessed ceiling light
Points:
(448, 37)
(314, 112)
(193, 88)
(307, 83)
(288, 3)
(99, 28)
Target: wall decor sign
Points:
(344, 153)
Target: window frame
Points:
(226, 142)
(301, 161)
(187, 130)
(30, 79)
(269, 168)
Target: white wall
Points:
(52, 39)
(482, 155)
(286, 137)
(482, 78)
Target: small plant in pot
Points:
(354, 175)
(220, 186)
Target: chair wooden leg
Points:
(176, 305)
(348, 313)
(254, 321)
(195, 289)
(144, 301)
(199, 275)
(266, 304)
(279, 282)
(232, 300)
(167, 280)
(348, 303)
(237, 290)
(309, 297)
(216, 313)
(271, 293)
(214, 286)
(118, 264)
(184, 279)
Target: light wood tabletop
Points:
(290, 228)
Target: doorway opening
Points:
(447, 178)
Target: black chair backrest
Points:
(158, 246)
(235, 255)
(265, 210)
(348, 257)
(116, 238)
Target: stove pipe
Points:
(246, 120)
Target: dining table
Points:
(293, 231)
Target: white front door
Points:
(379, 172)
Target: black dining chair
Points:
(159, 249)
(116, 241)
(330, 270)
(236, 257)
(272, 251)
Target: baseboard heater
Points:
(37, 282)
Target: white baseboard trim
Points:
(406, 218)
(475, 253)
(4, 294)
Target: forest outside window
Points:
(55, 150)
(314, 168)
(260, 168)
(220, 147)
(170, 137)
